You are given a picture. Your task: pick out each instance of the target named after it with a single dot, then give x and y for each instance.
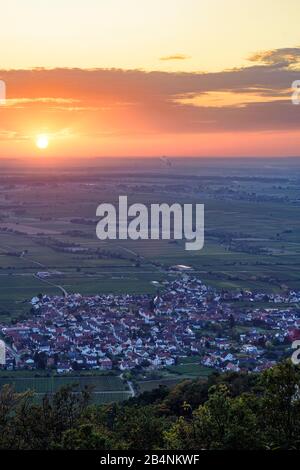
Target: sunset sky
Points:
(147, 78)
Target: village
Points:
(226, 331)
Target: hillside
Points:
(229, 411)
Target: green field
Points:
(148, 385)
(175, 374)
(187, 368)
(190, 370)
(103, 388)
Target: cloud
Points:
(283, 57)
(136, 103)
(175, 57)
(6, 135)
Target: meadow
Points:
(103, 388)
(188, 368)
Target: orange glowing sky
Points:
(141, 78)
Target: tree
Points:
(280, 406)
(231, 321)
(228, 411)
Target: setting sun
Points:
(42, 141)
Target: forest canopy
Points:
(229, 411)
